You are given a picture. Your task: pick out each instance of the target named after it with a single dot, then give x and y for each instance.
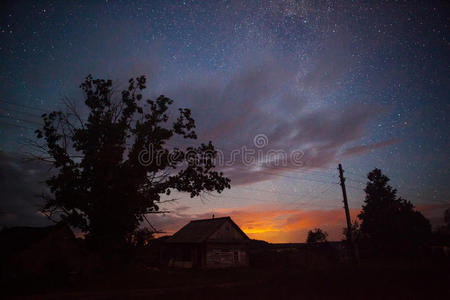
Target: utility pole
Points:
(344, 194)
(347, 216)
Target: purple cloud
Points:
(260, 99)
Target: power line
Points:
(9, 109)
(356, 174)
(315, 197)
(269, 173)
(293, 177)
(15, 125)
(292, 169)
(355, 187)
(23, 120)
(357, 181)
(288, 168)
(409, 196)
(255, 199)
(269, 191)
(287, 176)
(22, 105)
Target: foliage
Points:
(441, 234)
(355, 232)
(447, 218)
(390, 222)
(102, 185)
(316, 236)
(141, 237)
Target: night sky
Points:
(366, 85)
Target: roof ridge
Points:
(197, 231)
(211, 219)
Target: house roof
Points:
(198, 231)
(16, 239)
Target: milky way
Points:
(362, 84)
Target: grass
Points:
(373, 279)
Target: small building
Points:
(39, 252)
(209, 243)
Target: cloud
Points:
(260, 99)
(20, 183)
(358, 150)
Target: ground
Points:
(372, 279)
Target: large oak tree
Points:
(114, 165)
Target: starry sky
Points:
(361, 83)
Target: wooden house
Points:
(209, 243)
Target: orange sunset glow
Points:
(288, 226)
(277, 224)
(282, 224)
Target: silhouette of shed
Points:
(39, 252)
(208, 243)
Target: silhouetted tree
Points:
(141, 237)
(355, 232)
(441, 234)
(316, 236)
(389, 222)
(447, 218)
(113, 166)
